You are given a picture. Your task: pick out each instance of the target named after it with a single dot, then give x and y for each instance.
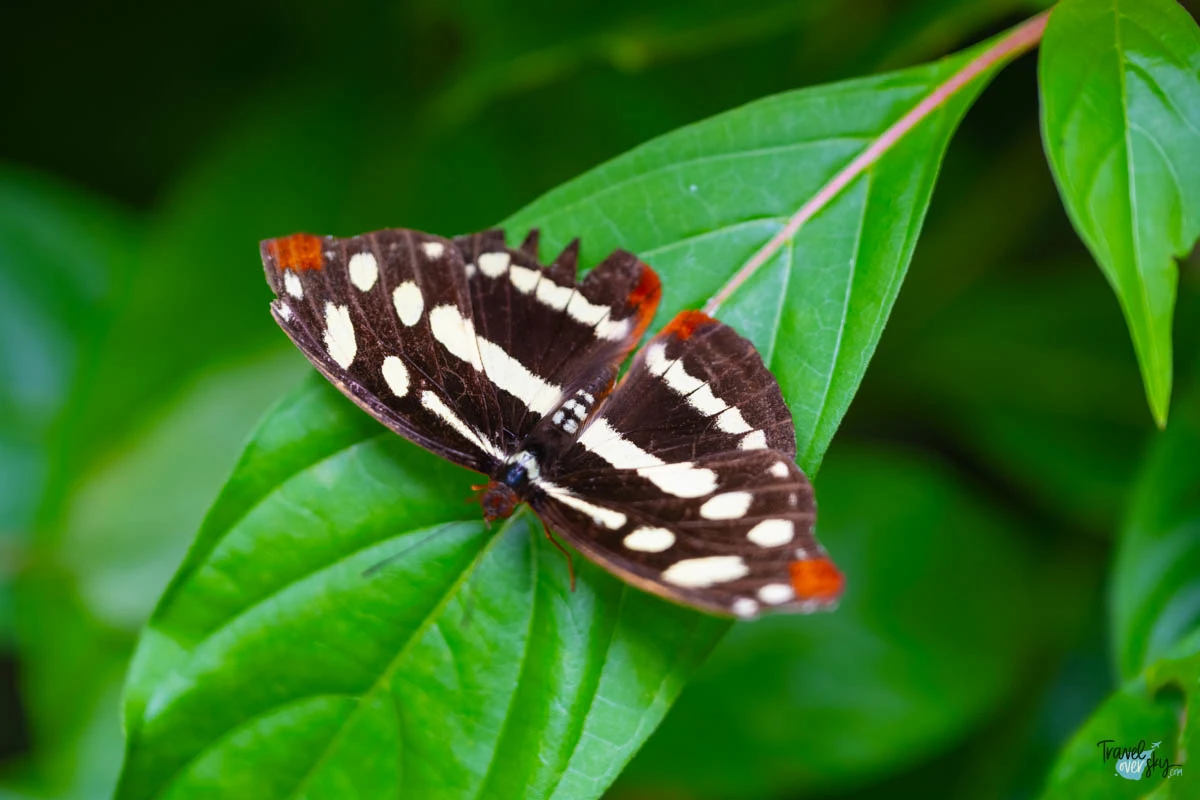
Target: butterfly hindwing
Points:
(684, 481)
(743, 546)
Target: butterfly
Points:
(679, 478)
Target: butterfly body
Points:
(680, 478)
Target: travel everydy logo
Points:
(1133, 762)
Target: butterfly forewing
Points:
(387, 318)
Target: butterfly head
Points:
(500, 497)
(498, 501)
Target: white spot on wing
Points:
(699, 396)
(697, 573)
(649, 540)
(434, 403)
(684, 479)
(753, 441)
(776, 593)
(523, 279)
(433, 249)
(745, 607)
(456, 334)
(493, 265)
(605, 517)
(583, 311)
(614, 330)
(339, 335)
(731, 421)
(408, 302)
(396, 375)
(551, 294)
(364, 271)
(285, 311)
(772, 532)
(779, 469)
(511, 375)
(586, 312)
(730, 505)
(291, 282)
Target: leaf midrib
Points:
(1153, 346)
(677, 165)
(418, 633)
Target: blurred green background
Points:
(987, 463)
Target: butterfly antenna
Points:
(563, 550)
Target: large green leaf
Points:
(931, 637)
(1145, 714)
(1156, 576)
(279, 663)
(704, 199)
(1120, 86)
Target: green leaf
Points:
(934, 633)
(384, 662)
(126, 525)
(1121, 126)
(699, 202)
(63, 255)
(1145, 714)
(280, 662)
(1156, 576)
(129, 520)
(1064, 422)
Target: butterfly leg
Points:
(563, 550)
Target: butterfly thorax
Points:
(508, 486)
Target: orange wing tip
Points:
(816, 579)
(686, 323)
(297, 252)
(643, 298)
(648, 288)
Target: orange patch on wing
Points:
(686, 323)
(297, 252)
(816, 579)
(644, 299)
